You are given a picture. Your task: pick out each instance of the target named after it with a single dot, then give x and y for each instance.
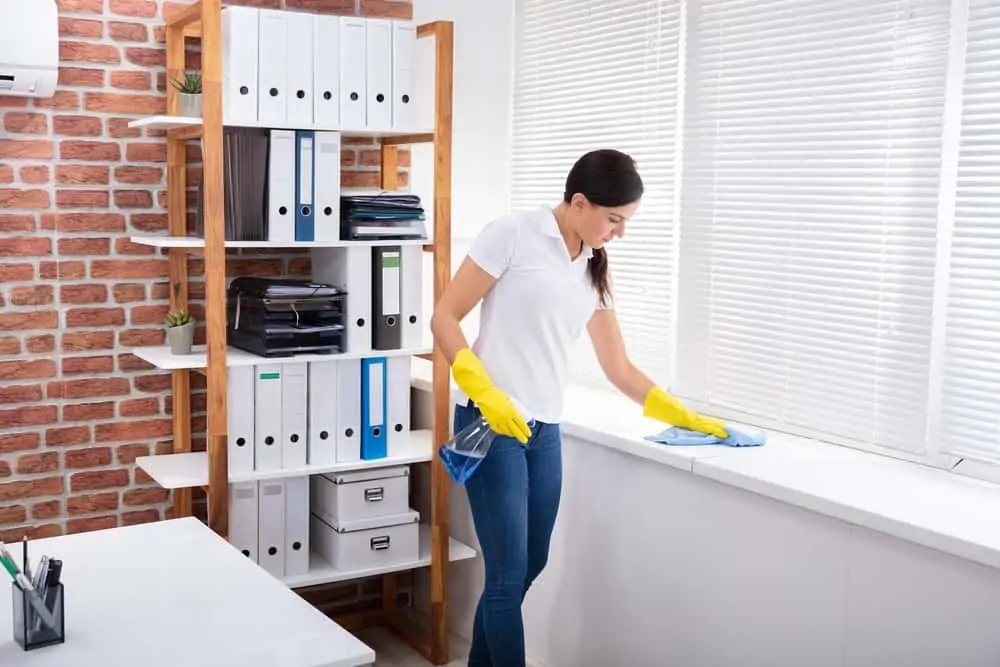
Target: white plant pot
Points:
(189, 105)
(181, 338)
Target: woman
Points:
(542, 276)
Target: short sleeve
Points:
(494, 247)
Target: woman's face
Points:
(598, 225)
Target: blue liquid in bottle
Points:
(466, 450)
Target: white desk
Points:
(174, 593)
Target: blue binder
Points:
(374, 441)
(305, 185)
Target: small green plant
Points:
(191, 85)
(177, 318)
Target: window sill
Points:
(927, 506)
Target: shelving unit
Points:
(184, 470)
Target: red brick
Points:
(148, 314)
(76, 174)
(96, 151)
(31, 488)
(127, 454)
(88, 365)
(17, 223)
(131, 80)
(118, 129)
(130, 431)
(25, 123)
(82, 412)
(69, 270)
(92, 503)
(144, 56)
(133, 199)
(124, 246)
(89, 388)
(84, 246)
(139, 407)
(124, 102)
(10, 345)
(81, 76)
(83, 294)
(25, 246)
(41, 344)
(13, 102)
(61, 99)
(145, 9)
(95, 317)
(84, 52)
(80, 28)
(129, 292)
(90, 222)
(360, 179)
(327, 6)
(96, 480)
(148, 496)
(10, 273)
(82, 341)
(38, 319)
(82, 198)
(67, 436)
(148, 222)
(78, 126)
(27, 369)
(36, 532)
(128, 363)
(146, 152)
(26, 149)
(140, 516)
(393, 9)
(48, 509)
(80, 6)
(24, 199)
(6, 173)
(121, 31)
(34, 464)
(13, 514)
(152, 384)
(37, 174)
(91, 524)
(141, 337)
(91, 457)
(129, 268)
(18, 442)
(33, 295)
(33, 415)
(20, 393)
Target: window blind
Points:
(809, 203)
(603, 74)
(970, 421)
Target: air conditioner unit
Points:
(29, 48)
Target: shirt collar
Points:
(550, 226)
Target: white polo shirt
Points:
(532, 317)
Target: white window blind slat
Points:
(604, 74)
(812, 148)
(970, 423)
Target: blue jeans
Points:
(514, 497)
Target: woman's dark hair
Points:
(606, 177)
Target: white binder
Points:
(294, 421)
(239, 64)
(411, 294)
(327, 191)
(404, 42)
(352, 73)
(296, 526)
(271, 526)
(267, 417)
(323, 393)
(398, 405)
(272, 72)
(378, 73)
(281, 187)
(243, 518)
(348, 410)
(240, 418)
(299, 69)
(326, 71)
(350, 268)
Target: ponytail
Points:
(597, 267)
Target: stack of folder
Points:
(245, 168)
(382, 216)
(275, 318)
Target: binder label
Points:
(390, 283)
(270, 376)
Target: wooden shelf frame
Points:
(203, 20)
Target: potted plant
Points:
(189, 94)
(180, 331)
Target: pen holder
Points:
(32, 628)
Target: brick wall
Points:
(76, 296)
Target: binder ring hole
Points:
(240, 442)
(328, 95)
(391, 321)
(328, 211)
(406, 99)
(246, 552)
(376, 431)
(349, 432)
(413, 319)
(361, 321)
(295, 437)
(272, 551)
(244, 90)
(380, 98)
(399, 428)
(283, 210)
(306, 210)
(354, 97)
(323, 435)
(274, 92)
(300, 94)
(296, 546)
(269, 440)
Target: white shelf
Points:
(163, 122)
(187, 470)
(194, 243)
(161, 357)
(321, 572)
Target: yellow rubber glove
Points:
(495, 406)
(664, 407)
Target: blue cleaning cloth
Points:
(685, 437)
